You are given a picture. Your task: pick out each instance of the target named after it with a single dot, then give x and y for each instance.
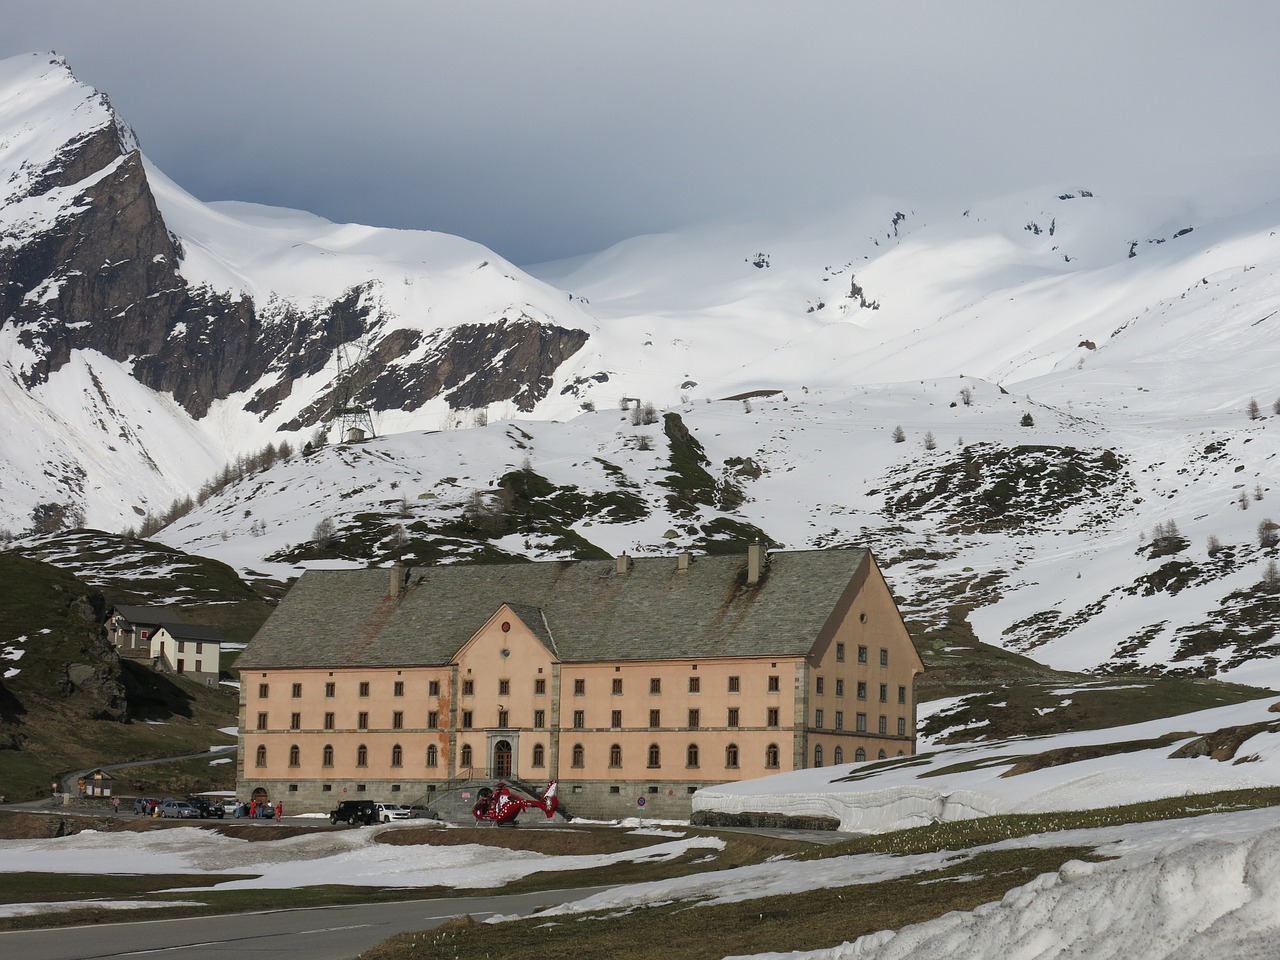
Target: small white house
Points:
(192, 650)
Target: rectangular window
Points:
(735, 684)
(433, 688)
(862, 689)
(539, 719)
(820, 687)
(330, 690)
(504, 719)
(397, 720)
(615, 719)
(262, 721)
(397, 688)
(297, 691)
(504, 688)
(540, 687)
(884, 657)
(262, 691)
(579, 719)
(860, 723)
(182, 647)
(295, 721)
(695, 719)
(774, 684)
(818, 718)
(468, 688)
(580, 687)
(328, 721)
(884, 724)
(884, 693)
(862, 654)
(655, 685)
(655, 719)
(839, 686)
(433, 720)
(839, 719)
(772, 716)
(902, 726)
(733, 717)
(839, 653)
(695, 685)
(364, 688)
(617, 686)
(362, 720)
(466, 719)
(902, 694)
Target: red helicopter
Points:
(502, 806)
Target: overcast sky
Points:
(548, 128)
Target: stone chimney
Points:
(755, 562)
(623, 564)
(397, 580)
(682, 562)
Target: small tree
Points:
(966, 396)
(648, 414)
(1275, 406)
(1267, 533)
(1243, 500)
(899, 435)
(1257, 491)
(1271, 577)
(1254, 412)
(1215, 545)
(1027, 420)
(324, 532)
(929, 442)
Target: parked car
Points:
(180, 809)
(356, 812)
(230, 805)
(418, 811)
(207, 806)
(391, 811)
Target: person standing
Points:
(115, 805)
(279, 810)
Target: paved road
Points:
(320, 933)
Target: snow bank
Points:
(1205, 901)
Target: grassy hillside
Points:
(68, 703)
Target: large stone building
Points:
(633, 682)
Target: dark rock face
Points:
(105, 277)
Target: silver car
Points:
(180, 809)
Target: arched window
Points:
(859, 755)
(579, 755)
(464, 758)
(731, 756)
(882, 755)
(433, 755)
(328, 755)
(817, 755)
(262, 756)
(539, 755)
(615, 755)
(837, 756)
(397, 756)
(362, 756)
(691, 756)
(771, 756)
(655, 755)
(295, 756)
(901, 754)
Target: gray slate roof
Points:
(168, 618)
(582, 610)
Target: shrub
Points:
(1027, 420)
(899, 435)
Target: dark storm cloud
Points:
(548, 129)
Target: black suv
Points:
(357, 812)
(207, 806)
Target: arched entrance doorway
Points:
(502, 758)
(260, 794)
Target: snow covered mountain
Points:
(1054, 415)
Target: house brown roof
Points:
(583, 610)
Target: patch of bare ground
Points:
(568, 841)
